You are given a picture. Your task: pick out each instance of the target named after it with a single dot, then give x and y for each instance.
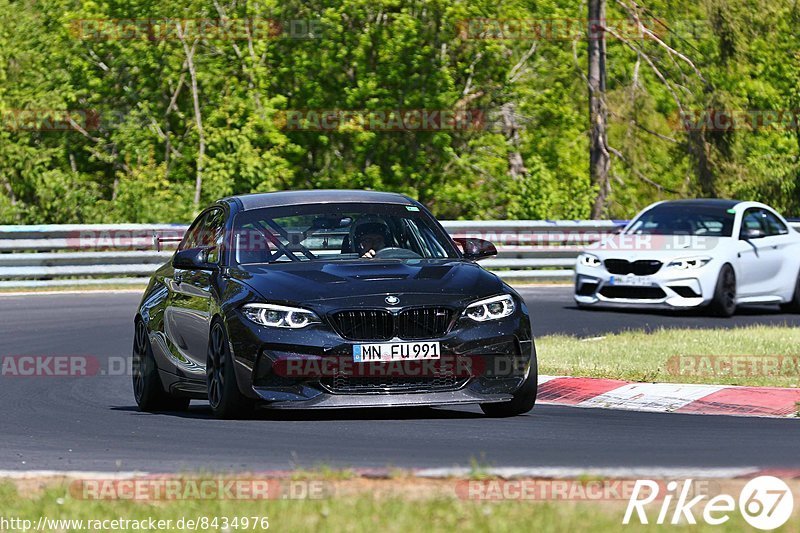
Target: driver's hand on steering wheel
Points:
(372, 243)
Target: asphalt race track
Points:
(554, 311)
(91, 422)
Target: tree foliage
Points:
(202, 113)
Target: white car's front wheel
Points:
(724, 302)
(794, 305)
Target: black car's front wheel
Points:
(223, 392)
(523, 399)
(147, 387)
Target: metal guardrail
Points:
(121, 254)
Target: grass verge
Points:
(76, 288)
(756, 356)
(418, 505)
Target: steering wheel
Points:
(396, 253)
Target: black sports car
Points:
(330, 299)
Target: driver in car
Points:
(371, 236)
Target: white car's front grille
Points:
(644, 267)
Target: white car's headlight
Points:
(589, 260)
(688, 263)
(491, 308)
(278, 316)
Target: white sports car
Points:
(693, 253)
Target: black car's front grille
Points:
(381, 325)
(638, 268)
(441, 380)
(423, 323)
(370, 325)
(632, 293)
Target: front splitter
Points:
(417, 399)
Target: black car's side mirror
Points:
(475, 249)
(193, 259)
(751, 233)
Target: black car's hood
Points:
(360, 282)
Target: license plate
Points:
(395, 351)
(633, 281)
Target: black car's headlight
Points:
(278, 316)
(491, 308)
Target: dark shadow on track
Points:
(202, 411)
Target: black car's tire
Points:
(147, 387)
(724, 302)
(794, 305)
(523, 399)
(223, 391)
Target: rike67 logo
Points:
(765, 503)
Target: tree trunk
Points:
(198, 117)
(699, 149)
(599, 158)
(516, 165)
(10, 191)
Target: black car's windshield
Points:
(670, 219)
(337, 232)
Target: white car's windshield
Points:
(338, 232)
(667, 219)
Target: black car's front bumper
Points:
(411, 399)
(480, 363)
